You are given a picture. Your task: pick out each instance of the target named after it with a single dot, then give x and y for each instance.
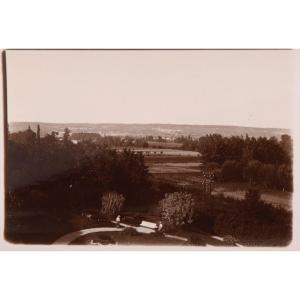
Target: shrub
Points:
(111, 204)
(252, 172)
(232, 170)
(254, 221)
(285, 177)
(177, 209)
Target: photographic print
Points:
(113, 148)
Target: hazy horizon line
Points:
(137, 123)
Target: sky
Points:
(205, 87)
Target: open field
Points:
(163, 152)
(187, 167)
(183, 179)
(185, 171)
(154, 159)
(174, 162)
(237, 191)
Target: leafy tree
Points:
(286, 144)
(38, 134)
(267, 175)
(50, 139)
(285, 177)
(66, 136)
(232, 170)
(252, 171)
(252, 221)
(177, 209)
(111, 204)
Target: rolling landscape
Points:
(69, 165)
(166, 130)
(131, 161)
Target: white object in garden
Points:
(160, 226)
(148, 225)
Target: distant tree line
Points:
(111, 141)
(124, 141)
(265, 161)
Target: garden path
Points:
(68, 238)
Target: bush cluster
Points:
(177, 209)
(111, 204)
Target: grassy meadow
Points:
(185, 170)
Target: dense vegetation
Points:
(48, 176)
(252, 222)
(255, 160)
(45, 174)
(177, 209)
(111, 141)
(111, 204)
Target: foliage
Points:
(267, 161)
(232, 170)
(252, 171)
(251, 221)
(45, 174)
(111, 204)
(71, 175)
(67, 133)
(254, 221)
(177, 209)
(216, 148)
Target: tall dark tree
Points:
(66, 137)
(38, 134)
(31, 136)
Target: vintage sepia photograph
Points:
(118, 148)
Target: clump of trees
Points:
(67, 176)
(111, 141)
(177, 209)
(51, 175)
(111, 204)
(252, 221)
(232, 170)
(267, 161)
(258, 173)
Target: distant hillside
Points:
(164, 130)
